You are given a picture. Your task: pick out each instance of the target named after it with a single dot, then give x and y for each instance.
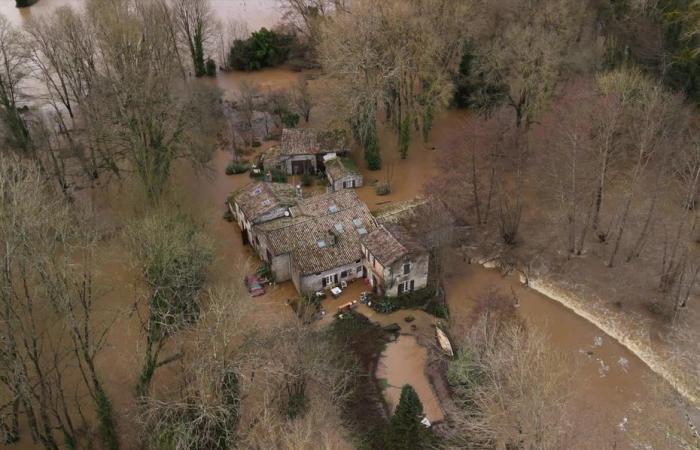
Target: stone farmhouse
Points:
(301, 151)
(395, 261)
(259, 203)
(325, 240)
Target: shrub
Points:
(210, 67)
(307, 180)
(264, 48)
(278, 176)
(25, 3)
(425, 299)
(290, 119)
(385, 306)
(236, 167)
(382, 188)
(374, 160)
(409, 319)
(265, 271)
(256, 144)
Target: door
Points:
(298, 167)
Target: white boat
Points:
(444, 342)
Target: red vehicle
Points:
(252, 282)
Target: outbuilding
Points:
(342, 173)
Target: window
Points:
(362, 231)
(344, 274)
(333, 208)
(359, 270)
(357, 222)
(339, 227)
(321, 243)
(406, 286)
(407, 268)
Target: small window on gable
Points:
(266, 202)
(258, 190)
(407, 268)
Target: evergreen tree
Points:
(405, 431)
(405, 137)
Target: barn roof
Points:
(302, 141)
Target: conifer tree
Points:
(406, 432)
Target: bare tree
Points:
(226, 34)
(569, 163)
(172, 254)
(195, 26)
(511, 389)
(392, 55)
(139, 111)
(657, 123)
(527, 48)
(302, 98)
(307, 16)
(14, 69)
(48, 296)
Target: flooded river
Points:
(610, 377)
(254, 13)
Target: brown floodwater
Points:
(253, 13)
(609, 378)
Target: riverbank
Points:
(628, 329)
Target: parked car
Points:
(252, 282)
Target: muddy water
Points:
(254, 13)
(403, 362)
(609, 377)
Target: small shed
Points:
(301, 151)
(342, 173)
